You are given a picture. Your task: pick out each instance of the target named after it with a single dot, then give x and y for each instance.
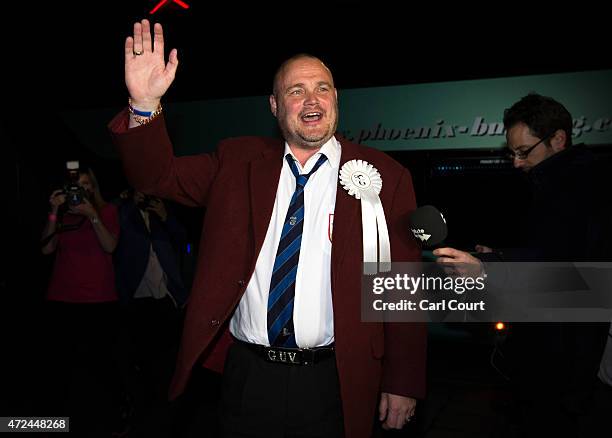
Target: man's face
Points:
(519, 138)
(138, 197)
(305, 103)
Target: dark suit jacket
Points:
(237, 185)
(566, 222)
(132, 254)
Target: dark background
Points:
(69, 55)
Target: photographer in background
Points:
(152, 294)
(88, 204)
(81, 378)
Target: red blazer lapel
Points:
(346, 213)
(263, 183)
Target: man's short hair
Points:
(288, 61)
(543, 115)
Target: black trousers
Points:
(79, 374)
(275, 400)
(555, 373)
(596, 422)
(152, 334)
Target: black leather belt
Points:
(290, 356)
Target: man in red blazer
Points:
(246, 187)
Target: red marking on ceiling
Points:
(162, 3)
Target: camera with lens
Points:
(75, 193)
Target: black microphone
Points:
(428, 226)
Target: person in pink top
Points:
(83, 270)
(82, 310)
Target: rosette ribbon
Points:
(362, 180)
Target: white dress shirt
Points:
(313, 316)
(154, 282)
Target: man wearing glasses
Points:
(554, 364)
(563, 186)
(520, 155)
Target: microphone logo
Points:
(420, 234)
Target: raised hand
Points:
(147, 75)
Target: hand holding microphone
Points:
(459, 262)
(429, 227)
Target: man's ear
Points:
(559, 140)
(273, 104)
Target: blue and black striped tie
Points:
(282, 285)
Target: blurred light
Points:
(500, 326)
(189, 248)
(181, 3)
(159, 5)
